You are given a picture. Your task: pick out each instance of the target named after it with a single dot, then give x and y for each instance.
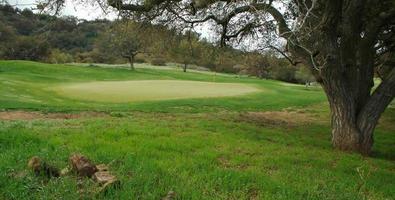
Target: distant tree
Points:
(185, 50)
(7, 38)
(258, 65)
(208, 55)
(28, 48)
(127, 40)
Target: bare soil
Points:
(279, 118)
(27, 115)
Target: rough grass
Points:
(214, 148)
(132, 91)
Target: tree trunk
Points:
(353, 124)
(345, 135)
(131, 61)
(185, 67)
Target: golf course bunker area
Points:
(147, 90)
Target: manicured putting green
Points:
(145, 90)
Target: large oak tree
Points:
(343, 42)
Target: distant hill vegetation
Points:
(25, 35)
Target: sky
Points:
(88, 12)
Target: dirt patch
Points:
(25, 115)
(278, 118)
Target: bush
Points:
(28, 48)
(158, 62)
(57, 56)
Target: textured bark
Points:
(355, 116)
(370, 114)
(345, 135)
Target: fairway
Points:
(146, 90)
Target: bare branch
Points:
(294, 63)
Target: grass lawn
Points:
(273, 143)
(142, 90)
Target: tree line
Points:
(25, 35)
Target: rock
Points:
(106, 181)
(82, 165)
(104, 177)
(40, 167)
(170, 195)
(102, 167)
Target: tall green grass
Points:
(198, 148)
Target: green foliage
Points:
(57, 56)
(29, 36)
(27, 48)
(67, 34)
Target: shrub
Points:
(158, 62)
(139, 60)
(57, 56)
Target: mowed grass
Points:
(27, 85)
(201, 148)
(131, 91)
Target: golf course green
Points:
(146, 90)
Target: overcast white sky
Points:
(84, 11)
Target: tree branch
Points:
(379, 100)
(284, 30)
(294, 63)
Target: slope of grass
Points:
(198, 148)
(25, 87)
